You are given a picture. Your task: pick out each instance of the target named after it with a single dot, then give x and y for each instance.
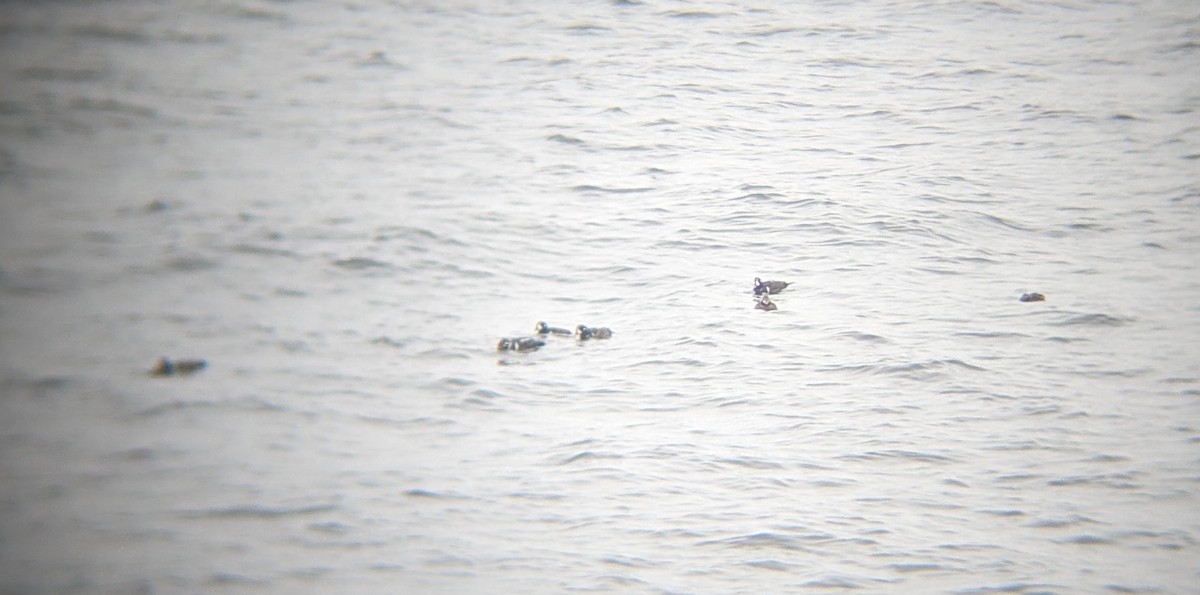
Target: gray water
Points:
(344, 206)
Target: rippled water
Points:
(343, 208)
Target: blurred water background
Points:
(343, 206)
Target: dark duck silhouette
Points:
(765, 303)
(545, 329)
(763, 287)
(180, 367)
(583, 333)
(519, 344)
(1032, 297)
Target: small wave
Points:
(1110, 480)
(257, 250)
(537, 496)
(631, 562)
(1003, 222)
(98, 31)
(1059, 523)
(54, 73)
(588, 188)
(1103, 458)
(1086, 539)
(360, 263)
(389, 342)
(487, 393)
(112, 106)
(259, 511)
(1012, 588)
(832, 583)
(423, 493)
(1116, 588)
(759, 540)
(414, 234)
(751, 463)
(924, 457)
(587, 28)
(770, 565)
(910, 567)
(772, 31)
(758, 196)
(1002, 512)
(861, 336)
(1090, 320)
(693, 14)
(566, 140)
(405, 423)
(590, 455)
(39, 387)
(684, 361)
(172, 406)
(190, 264)
(926, 366)
(991, 334)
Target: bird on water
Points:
(519, 344)
(763, 287)
(765, 303)
(545, 329)
(584, 333)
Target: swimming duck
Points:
(765, 303)
(519, 344)
(584, 333)
(761, 287)
(168, 367)
(545, 329)
(1032, 297)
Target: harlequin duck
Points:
(584, 333)
(545, 329)
(183, 367)
(761, 287)
(519, 344)
(1032, 297)
(765, 303)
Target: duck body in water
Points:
(765, 303)
(519, 344)
(544, 329)
(766, 287)
(178, 367)
(583, 333)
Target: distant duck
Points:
(765, 303)
(1032, 297)
(545, 329)
(519, 344)
(183, 367)
(584, 333)
(762, 287)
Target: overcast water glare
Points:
(342, 207)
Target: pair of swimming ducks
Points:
(582, 332)
(764, 289)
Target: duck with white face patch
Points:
(764, 287)
(519, 344)
(544, 329)
(765, 303)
